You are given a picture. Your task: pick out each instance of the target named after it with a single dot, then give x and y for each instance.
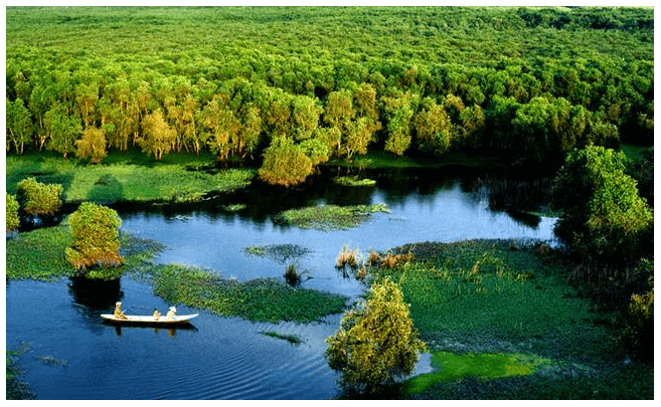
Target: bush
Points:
(13, 222)
(639, 333)
(37, 198)
(602, 211)
(376, 343)
(95, 231)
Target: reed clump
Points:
(347, 257)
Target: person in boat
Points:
(157, 315)
(118, 311)
(172, 312)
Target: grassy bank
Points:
(267, 300)
(39, 254)
(501, 322)
(128, 177)
(329, 217)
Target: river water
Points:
(73, 355)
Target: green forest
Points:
(287, 89)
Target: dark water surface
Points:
(229, 358)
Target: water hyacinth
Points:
(330, 217)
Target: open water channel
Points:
(73, 355)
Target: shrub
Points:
(638, 335)
(13, 222)
(376, 343)
(37, 198)
(95, 231)
(602, 211)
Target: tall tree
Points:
(19, 125)
(158, 136)
(62, 128)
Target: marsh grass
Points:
(348, 258)
(481, 297)
(266, 300)
(330, 217)
(126, 180)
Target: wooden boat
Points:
(149, 319)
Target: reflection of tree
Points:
(261, 202)
(94, 297)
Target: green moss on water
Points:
(354, 181)
(330, 217)
(450, 366)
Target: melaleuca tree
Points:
(95, 231)
(63, 128)
(285, 162)
(37, 198)
(376, 343)
(12, 220)
(398, 112)
(433, 128)
(92, 145)
(158, 136)
(19, 125)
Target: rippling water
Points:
(228, 358)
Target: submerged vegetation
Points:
(293, 339)
(15, 388)
(282, 253)
(329, 217)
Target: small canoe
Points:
(148, 319)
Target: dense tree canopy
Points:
(528, 83)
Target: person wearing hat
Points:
(157, 315)
(118, 311)
(171, 313)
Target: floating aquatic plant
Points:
(330, 217)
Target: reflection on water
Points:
(229, 358)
